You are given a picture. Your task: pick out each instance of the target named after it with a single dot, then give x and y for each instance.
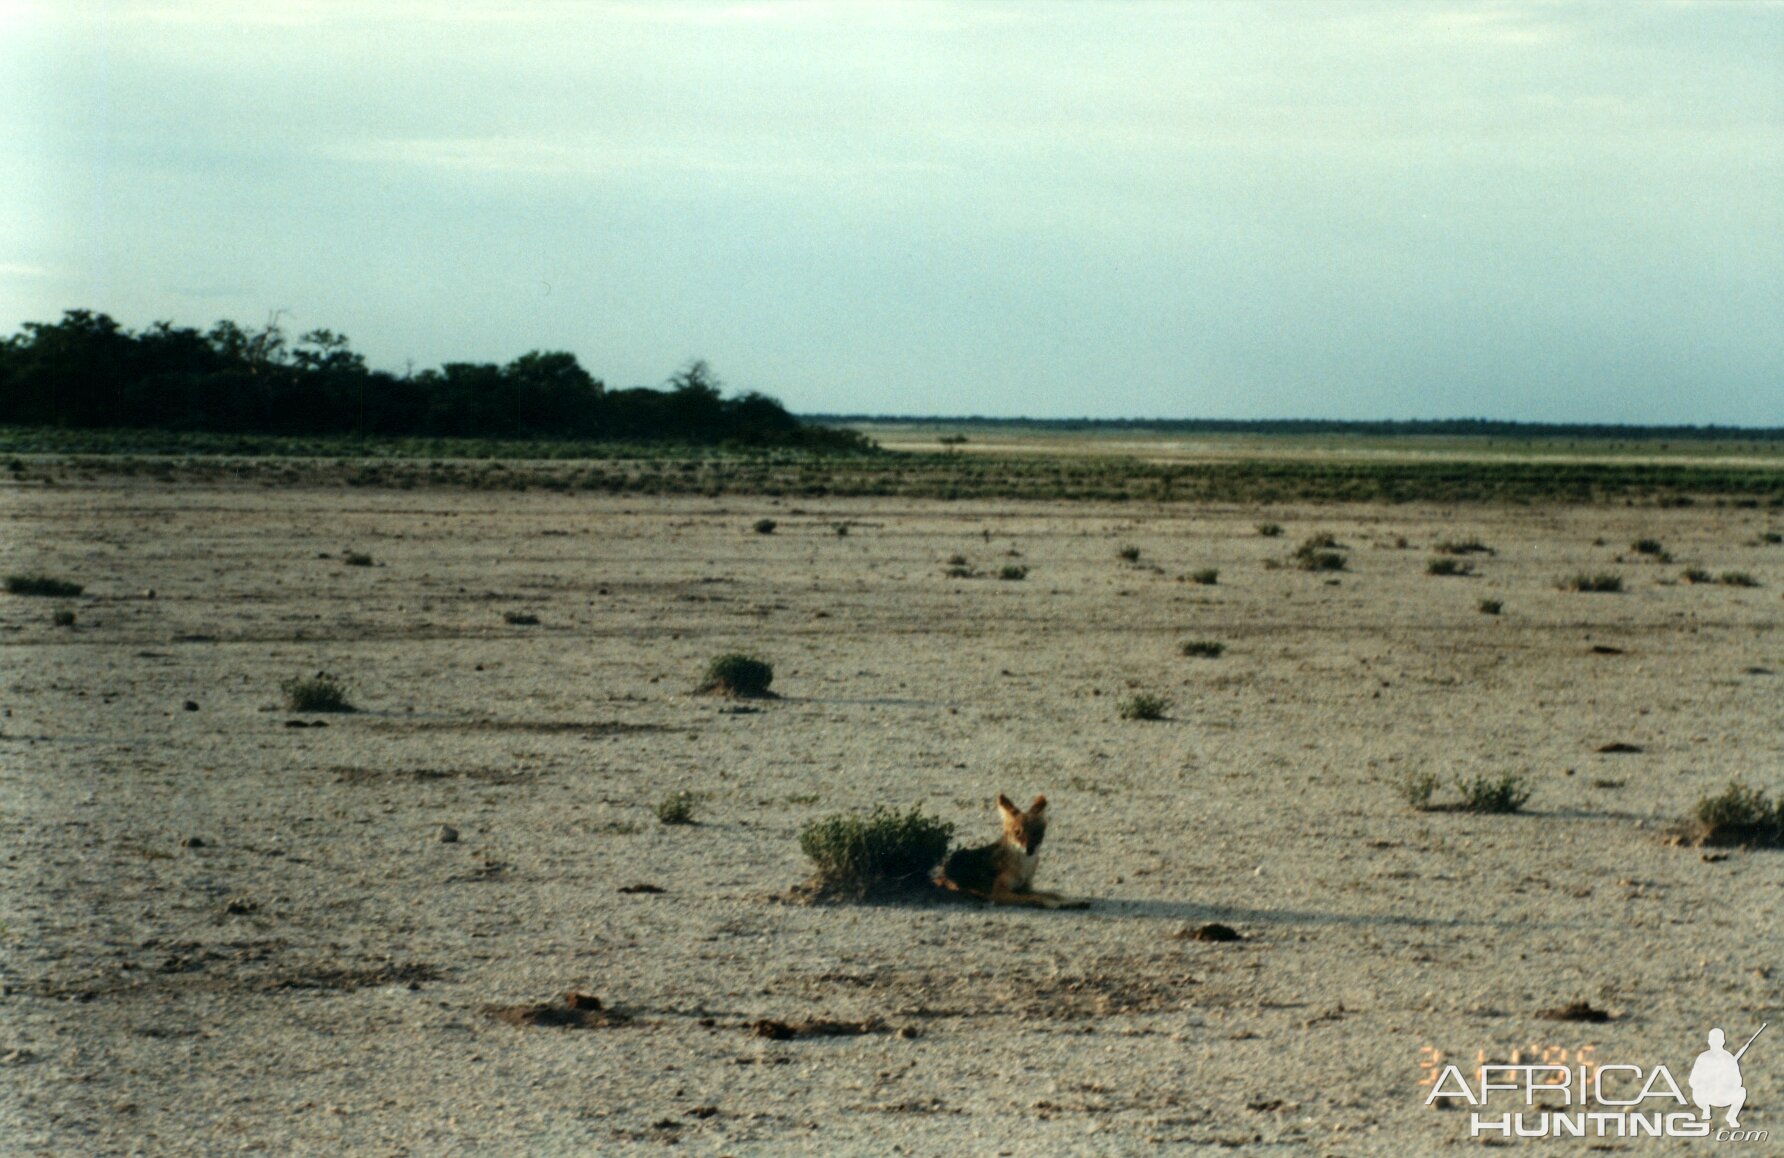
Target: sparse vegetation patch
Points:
(1601, 581)
(1144, 706)
(318, 693)
(1738, 816)
(42, 585)
(739, 675)
(1203, 648)
(881, 854)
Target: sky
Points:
(1533, 211)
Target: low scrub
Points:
(1739, 816)
(1207, 576)
(1144, 706)
(1443, 565)
(883, 853)
(677, 808)
(318, 693)
(1203, 648)
(1490, 606)
(1505, 793)
(42, 585)
(739, 675)
(1469, 546)
(1602, 581)
(1319, 553)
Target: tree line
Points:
(87, 371)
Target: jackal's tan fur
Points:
(1002, 872)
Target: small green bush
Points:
(1771, 537)
(1418, 788)
(1490, 606)
(1207, 576)
(1696, 575)
(1648, 547)
(356, 559)
(737, 674)
(1739, 816)
(1144, 706)
(677, 808)
(1447, 566)
(1737, 579)
(1128, 554)
(319, 693)
(1319, 553)
(42, 585)
(1506, 793)
(958, 571)
(764, 526)
(1012, 572)
(521, 618)
(1269, 530)
(62, 617)
(1469, 546)
(1205, 648)
(1608, 581)
(881, 853)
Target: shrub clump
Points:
(319, 693)
(1608, 581)
(1012, 572)
(1469, 546)
(1506, 793)
(739, 675)
(1206, 576)
(764, 526)
(677, 808)
(1418, 788)
(1144, 706)
(1204, 648)
(42, 585)
(1128, 554)
(1737, 579)
(1738, 816)
(1442, 565)
(882, 853)
(1319, 553)
(62, 617)
(1490, 606)
(1269, 530)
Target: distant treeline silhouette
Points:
(1469, 427)
(87, 371)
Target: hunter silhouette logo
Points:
(1604, 1100)
(1716, 1078)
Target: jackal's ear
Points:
(1007, 806)
(1039, 806)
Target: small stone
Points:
(448, 834)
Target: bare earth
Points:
(223, 933)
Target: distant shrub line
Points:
(88, 372)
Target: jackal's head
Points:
(1024, 829)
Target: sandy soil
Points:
(220, 932)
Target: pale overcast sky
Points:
(1542, 211)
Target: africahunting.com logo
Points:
(1570, 1094)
